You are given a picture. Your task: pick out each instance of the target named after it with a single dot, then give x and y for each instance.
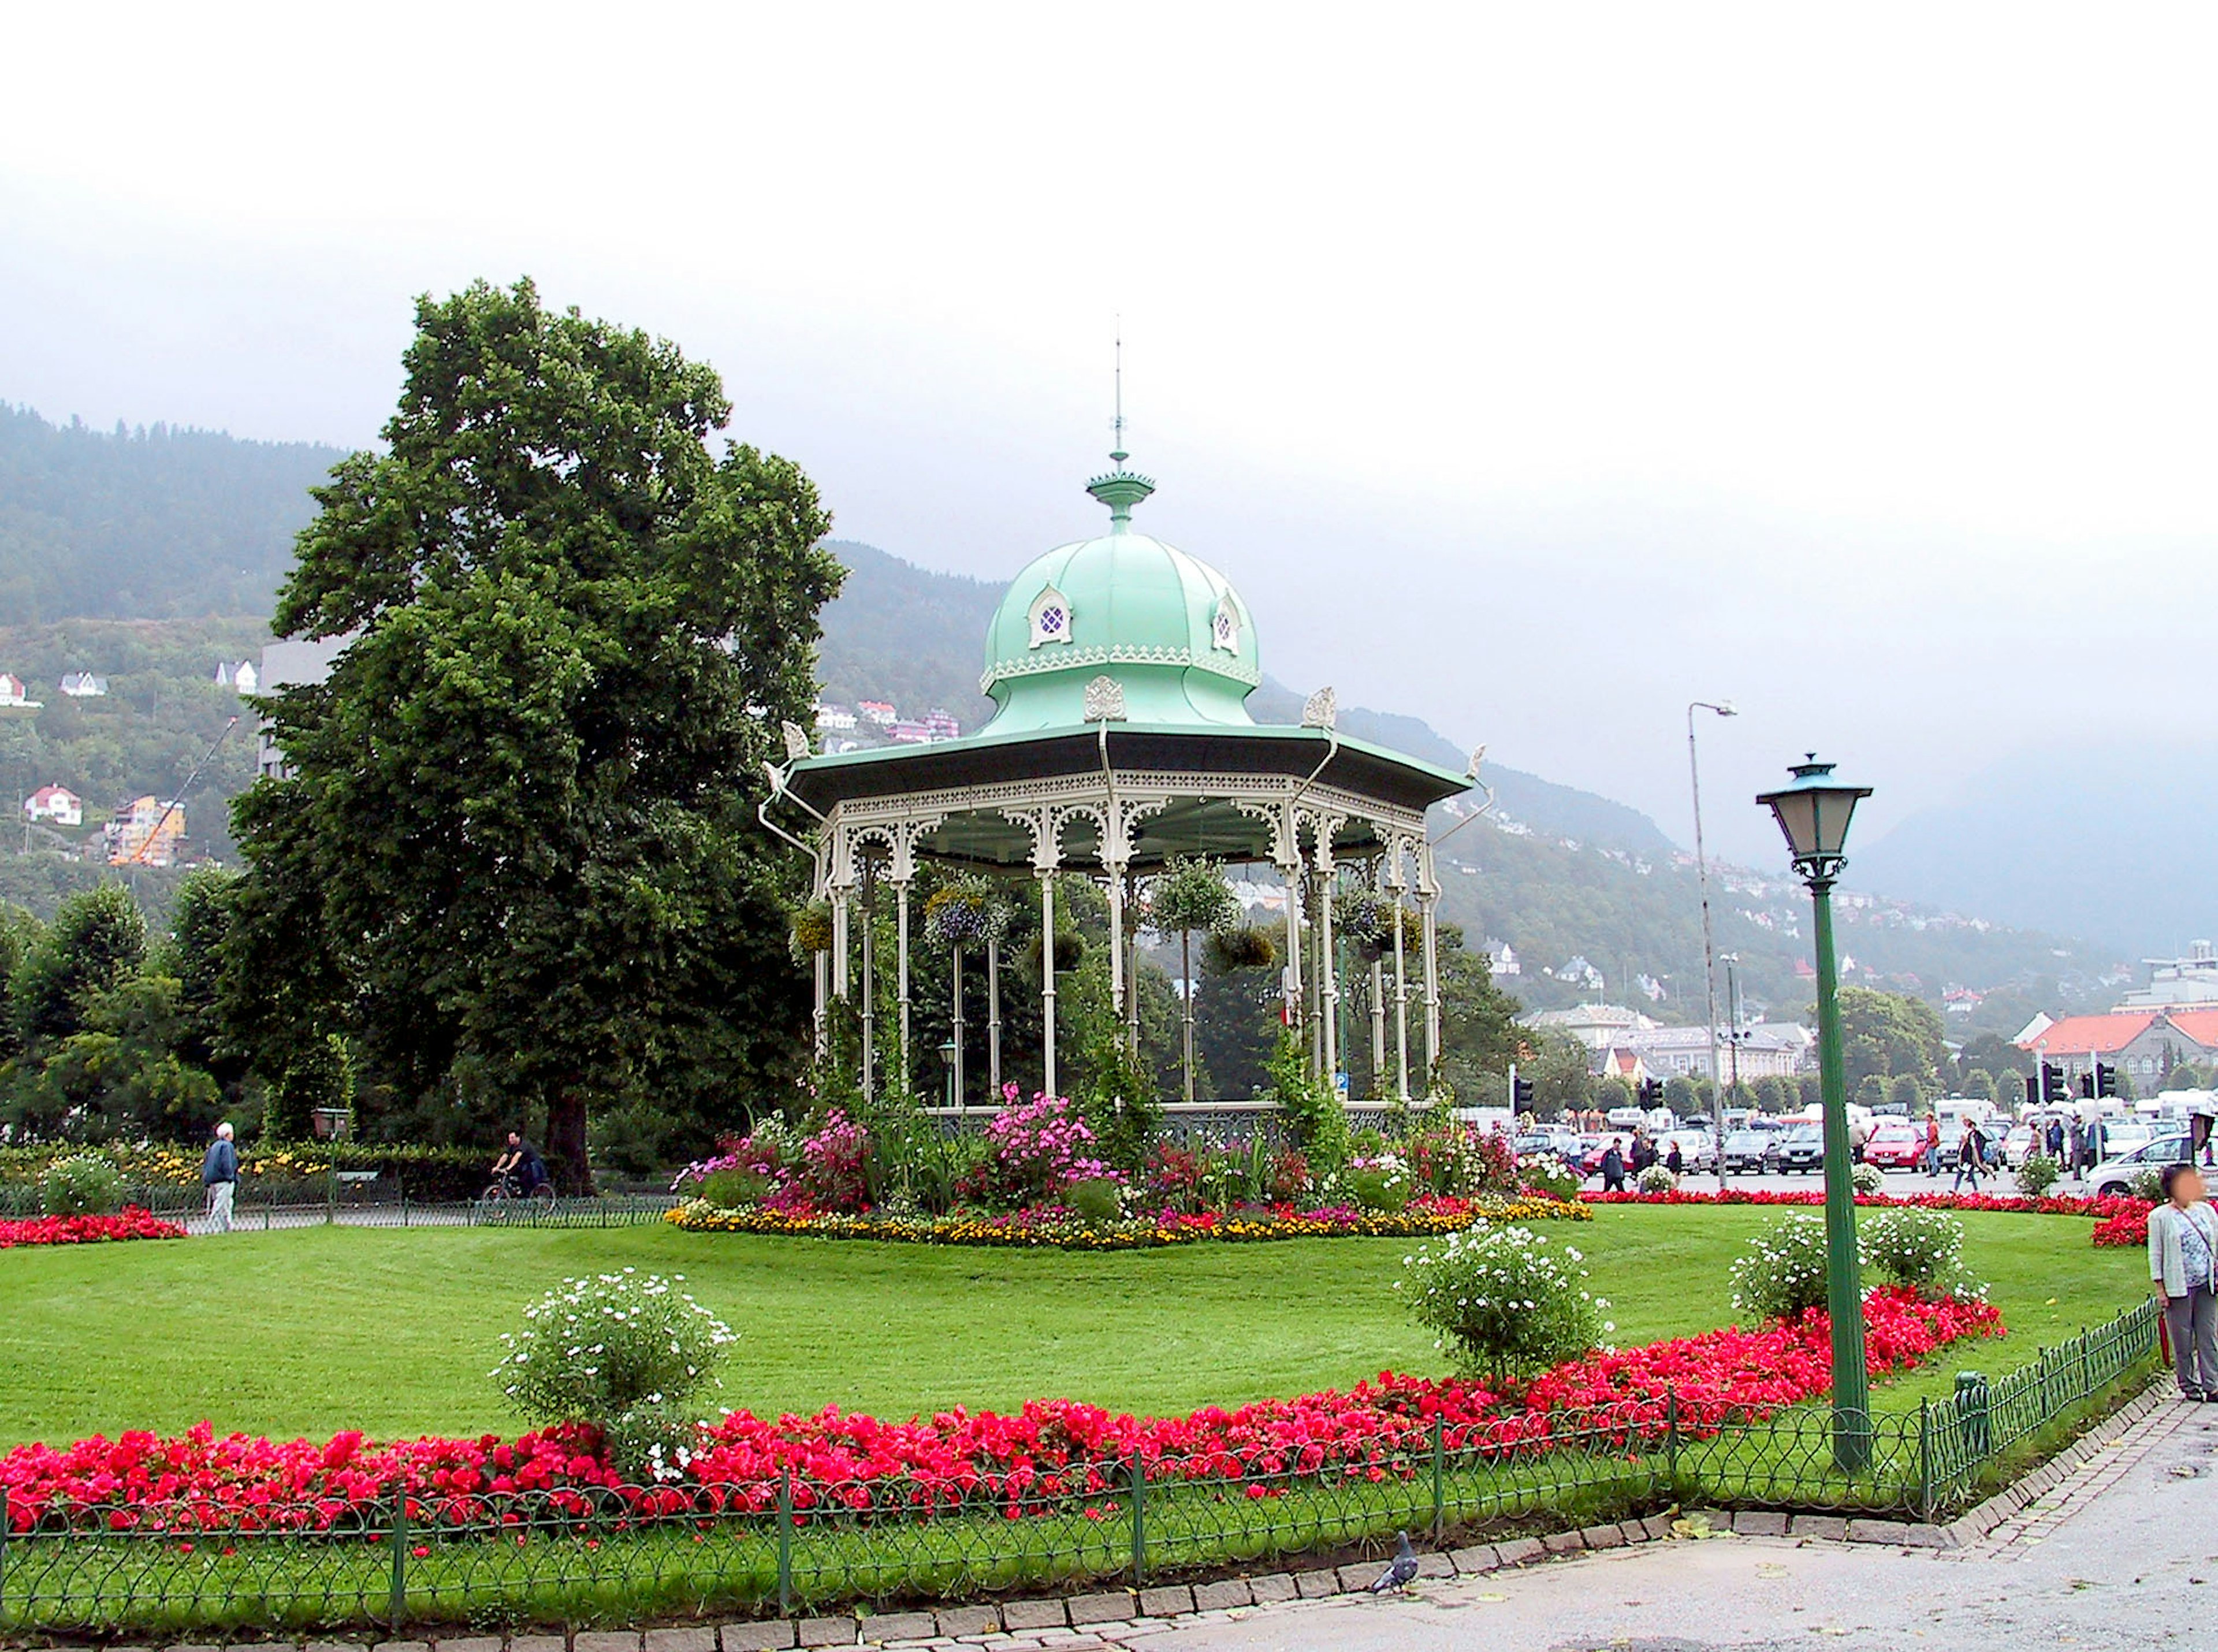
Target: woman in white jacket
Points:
(2183, 1247)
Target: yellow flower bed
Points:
(1060, 1230)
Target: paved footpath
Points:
(2123, 1553)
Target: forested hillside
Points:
(188, 533)
(155, 522)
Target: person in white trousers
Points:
(220, 1176)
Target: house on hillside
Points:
(83, 685)
(878, 712)
(15, 692)
(940, 725)
(241, 677)
(834, 719)
(54, 806)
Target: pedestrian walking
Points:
(1971, 1157)
(2183, 1240)
(1612, 1166)
(2076, 1140)
(1676, 1163)
(2055, 1139)
(220, 1176)
(1930, 1159)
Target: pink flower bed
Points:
(132, 1223)
(959, 1458)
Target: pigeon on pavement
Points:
(1398, 1575)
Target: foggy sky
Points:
(1534, 370)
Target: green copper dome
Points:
(1166, 627)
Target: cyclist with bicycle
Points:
(520, 1172)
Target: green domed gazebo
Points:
(1119, 668)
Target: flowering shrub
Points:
(1782, 1272)
(1548, 1176)
(832, 1173)
(1868, 1178)
(1379, 1183)
(623, 1352)
(2038, 1174)
(1922, 1250)
(1503, 1303)
(132, 1223)
(960, 1458)
(1657, 1179)
(960, 914)
(1462, 1159)
(84, 1185)
(1034, 1151)
(1173, 1177)
(1060, 1229)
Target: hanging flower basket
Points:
(812, 928)
(1244, 947)
(959, 915)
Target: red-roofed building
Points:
(2145, 1043)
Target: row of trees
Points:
(513, 875)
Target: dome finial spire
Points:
(1121, 489)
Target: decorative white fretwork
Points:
(1321, 709)
(796, 741)
(1094, 654)
(1105, 701)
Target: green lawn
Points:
(392, 1332)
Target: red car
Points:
(1895, 1147)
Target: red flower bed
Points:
(2128, 1226)
(1050, 1449)
(2050, 1205)
(132, 1223)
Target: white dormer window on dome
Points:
(1050, 617)
(1224, 627)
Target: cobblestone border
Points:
(1078, 1623)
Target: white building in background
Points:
(1598, 1026)
(1501, 958)
(1767, 1050)
(241, 677)
(54, 806)
(282, 665)
(2178, 983)
(15, 692)
(83, 685)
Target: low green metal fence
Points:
(316, 1201)
(788, 1543)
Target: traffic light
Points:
(1523, 1097)
(1652, 1093)
(2106, 1078)
(2053, 1088)
(2032, 1091)
(2086, 1086)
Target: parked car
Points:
(1895, 1144)
(1800, 1147)
(1744, 1151)
(2114, 1177)
(1696, 1150)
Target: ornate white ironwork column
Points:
(1046, 876)
(1378, 992)
(1429, 899)
(994, 1019)
(840, 943)
(823, 972)
(1286, 856)
(1327, 966)
(900, 966)
(869, 980)
(1396, 882)
(1130, 943)
(955, 966)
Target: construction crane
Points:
(138, 857)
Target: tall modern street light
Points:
(1813, 812)
(1724, 708)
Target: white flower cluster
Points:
(1504, 1301)
(1922, 1249)
(596, 1348)
(1782, 1272)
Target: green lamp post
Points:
(1813, 812)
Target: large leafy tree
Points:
(518, 834)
